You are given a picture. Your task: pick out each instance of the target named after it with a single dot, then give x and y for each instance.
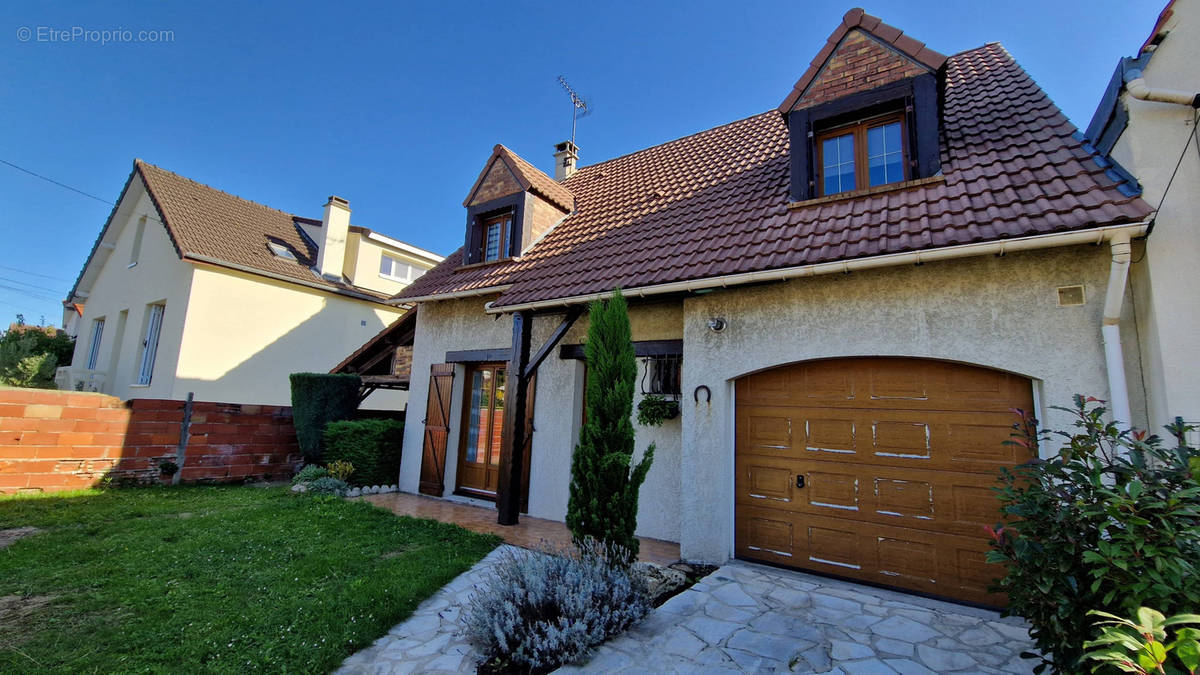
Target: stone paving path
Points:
(741, 618)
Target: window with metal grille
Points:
(662, 374)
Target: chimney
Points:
(335, 224)
(565, 156)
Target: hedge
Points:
(317, 400)
(372, 446)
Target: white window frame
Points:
(94, 348)
(412, 269)
(150, 342)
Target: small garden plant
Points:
(543, 609)
(653, 410)
(1144, 646)
(1111, 523)
(603, 502)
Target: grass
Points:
(215, 579)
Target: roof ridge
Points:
(141, 162)
(589, 167)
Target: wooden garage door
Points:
(876, 469)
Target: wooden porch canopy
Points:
(385, 361)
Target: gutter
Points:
(488, 290)
(1092, 236)
(1110, 331)
(280, 277)
(1136, 85)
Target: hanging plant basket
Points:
(653, 410)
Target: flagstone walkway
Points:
(741, 618)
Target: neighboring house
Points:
(190, 289)
(1146, 121)
(846, 294)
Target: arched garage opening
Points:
(877, 469)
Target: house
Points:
(1146, 122)
(191, 289)
(847, 294)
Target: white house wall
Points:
(1166, 283)
(995, 312)
(158, 277)
(246, 333)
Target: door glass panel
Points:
(479, 416)
(885, 154)
(497, 418)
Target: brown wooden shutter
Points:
(437, 429)
(527, 450)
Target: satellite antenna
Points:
(579, 107)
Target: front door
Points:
(482, 431)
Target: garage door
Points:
(876, 469)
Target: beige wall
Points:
(995, 312)
(1166, 285)
(158, 277)
(245, 334)
(362, 264)
(453, 325)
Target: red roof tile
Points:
(206, 222)
(716, 203)
(529, 177)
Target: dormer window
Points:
(495, 238)
(864, 154)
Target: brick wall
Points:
(858, 64)
(56, 440)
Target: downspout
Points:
(1110, 330)
(1136, 85)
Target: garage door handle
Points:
(800, 480)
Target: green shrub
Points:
(1143, 646)
(1112, 523)
(317, 400)
(372, 446)
(328, 486)
(309, 473)
(603, 502)
(29, 355)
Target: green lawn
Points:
(219, 579)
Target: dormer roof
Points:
(527, 176)
(857, 19)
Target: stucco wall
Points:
(1165, 281)
(362, 264)
(996, 312)
(245, 334)
(461, 324)
(158, 277)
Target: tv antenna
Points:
(579, 107)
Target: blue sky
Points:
(396, 106)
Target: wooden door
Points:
(482, 430)
(437, 429)
(877, 469)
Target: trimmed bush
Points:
(372, 446)
(317, 400)
(544, 609)
(309, 473)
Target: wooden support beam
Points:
(516, 391)
(568, 321)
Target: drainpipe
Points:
(1136, 85)
(1110, 329)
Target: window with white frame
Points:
(150, 342)
(397, 270)
(94, 348)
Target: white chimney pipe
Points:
(566, 154)
(335, 224)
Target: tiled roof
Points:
(890, 35)
(529, 177)
(204, 222)
(716, 203)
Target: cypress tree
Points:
(604, 484)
